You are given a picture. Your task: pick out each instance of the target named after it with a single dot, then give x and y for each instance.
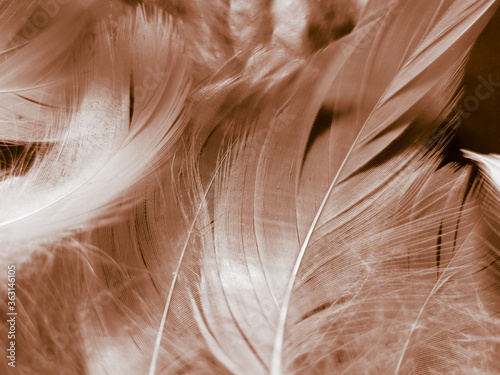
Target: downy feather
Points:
(195, 189)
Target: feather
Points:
(270, 252)
(192, 189)
(113, 158)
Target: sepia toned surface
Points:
(249, 187)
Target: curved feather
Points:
(264, 259)
(112, 163)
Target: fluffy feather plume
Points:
(250, 187)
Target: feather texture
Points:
(192, 189)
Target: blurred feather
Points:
(91, 153)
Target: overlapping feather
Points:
(284, 216)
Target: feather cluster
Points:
(263, 187)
